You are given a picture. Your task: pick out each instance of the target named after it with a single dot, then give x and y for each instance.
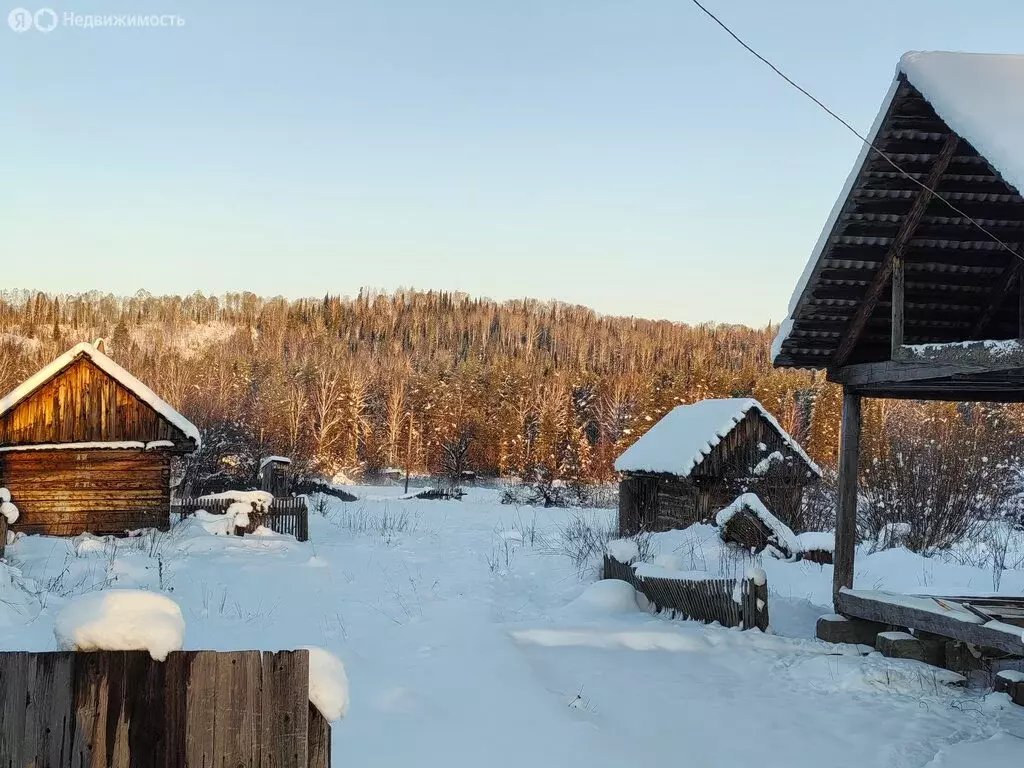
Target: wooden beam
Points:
(896, 250)
(862, 605)
(846, 514)
(976, 356)
(896, 371)
(896, 335)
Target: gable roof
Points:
(955, 269)
(681, 440)
(112, 369)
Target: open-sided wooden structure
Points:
(85, 446)
(700, 457)
(914, 288)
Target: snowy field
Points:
(472, 636)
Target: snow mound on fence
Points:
(328, 683)
(623, 550)
(262, 499)
(609, 596)
(5, 495)
(121, 620)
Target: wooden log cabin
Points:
(85, 446)
(699, 458)
(914, 287)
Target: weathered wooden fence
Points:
(122, 709)
(286, 516)
(3, 541)
(731, 602)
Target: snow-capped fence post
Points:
(122, 708)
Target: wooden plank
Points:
(177, 673)
(858, 606)
(144, 708)
(846, 514)
(49, 718)
(896, 334)
(319, 739)
(285, 727)
(238, 708)
(897, 248)
(201, 711)
(16, 673)
(99, 738)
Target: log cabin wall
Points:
(67, 492)
(655, 503)
(82, 403)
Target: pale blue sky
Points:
(623, 155)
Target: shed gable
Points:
(82, 403)
(739, 453)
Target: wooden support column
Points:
(897, 306)
(846, 513)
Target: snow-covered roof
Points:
(273, 460)
(685, 435)
(980, 96)
(112, 369)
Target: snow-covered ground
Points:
(470, 637)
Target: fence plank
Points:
(177, 673)
(48, 711)
(319, 739)
(239, 695)
(285, 728)
(201, 711)
(15, 671)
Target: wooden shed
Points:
(275, 476)
(914, 288)
(85, 446)
(700, 457)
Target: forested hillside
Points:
(356, 385)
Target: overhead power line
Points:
(854, 131)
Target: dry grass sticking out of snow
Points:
(461, 623)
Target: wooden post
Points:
(3, 534)
(846, 514)
(897, 306)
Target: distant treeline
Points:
(355, 385)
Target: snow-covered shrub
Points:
(7, 507)
(228, 458)
(121, 620)
(942, 471)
